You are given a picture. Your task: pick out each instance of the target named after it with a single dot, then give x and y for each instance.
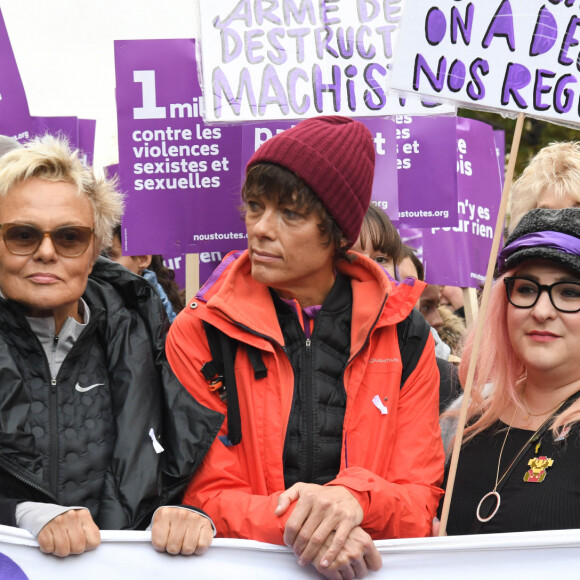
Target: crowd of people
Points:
(306, 395)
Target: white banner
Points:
(300, 58)
(499, 55)
(128, 555)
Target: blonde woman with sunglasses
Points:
(85, 390)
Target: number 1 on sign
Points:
(149, 110)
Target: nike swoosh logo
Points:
(85, 389)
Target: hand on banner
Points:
(319, 512)
(435, 527)
(72, 532)
(180, 531)
(358, 556)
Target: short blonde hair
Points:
(554, 168)
(51, 158)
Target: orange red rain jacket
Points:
(393, 463)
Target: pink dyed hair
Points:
(498, 364)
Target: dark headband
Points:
(549, 240)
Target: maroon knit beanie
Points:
(335, 157)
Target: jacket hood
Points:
(132, 288)
(113, 287)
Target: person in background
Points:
(429, 306)
(96, 432)
(163, 279)
(379, 240)
(151, 267)
(452, 332)
(551, 180)
(518, 469)
(409, 265)
(322, 321)
(134, 263)
(452, 300)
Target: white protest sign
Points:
(289, 59)
(130, 555)
(518, 56)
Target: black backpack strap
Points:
(213, 370)
(221, 376)
(229, 348)
(412, 333)
(260, 370)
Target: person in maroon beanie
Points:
(331, 441)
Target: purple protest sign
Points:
(13, 103)
(64, 126)
(30, 127)
(177, 264)
(499, 138)
(384, 193)
(426, 171)
(111, 171)
(173, 262)
(15, 119)
(181, 177)
(87, 130)
(479, 196)
(254, 134)
(412, 237)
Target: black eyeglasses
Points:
(524, 293)
(25, 239)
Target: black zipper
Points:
(309, 412)
(53, 435)
(8, 468)
(53, 406)
(367, 339)
(308, 343)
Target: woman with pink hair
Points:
(518, 468)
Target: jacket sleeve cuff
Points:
(33, 516)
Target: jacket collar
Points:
(233, 293)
